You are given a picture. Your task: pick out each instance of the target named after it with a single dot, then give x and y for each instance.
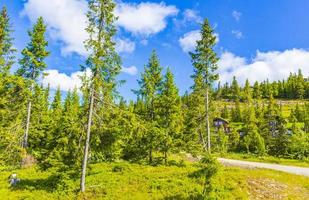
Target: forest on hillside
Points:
(94, 124)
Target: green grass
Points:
(266, 159)
(123, 180)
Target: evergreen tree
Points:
(235, 90)
(170, 114)
(225, 112)
(32, 63)
(103, 62)
(253, 140)
(237, 112)
(13, 97)
(205, 60)
(150, 88)
(299, 86)
(6, 43)
(299, 144)
(247, 93)
(273, 129)
(41, 128)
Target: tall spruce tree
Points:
(150, 88)
(6, 43)
(103, 62)
(204, 60)
(32, 63)
(170, 114)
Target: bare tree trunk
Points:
(150, 155)
(86, 148)
(165, 157)
(202, 138)
(207, 119)
(25, 141)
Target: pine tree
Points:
(247, 93)
(41, 128)
(65, 150)
(256, 90)
(225, 112)
(6, 43)
(237, 112)
(170, 114)
(32, 63)
(273, 129)
(103, 62)
(204, 60)
(253, 140)
(299, 86)
(13, 96)
(235, 89)
(150, 88)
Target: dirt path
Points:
(304, 171)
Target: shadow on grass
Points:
(197, 174)
(180, 197)
(48, 184)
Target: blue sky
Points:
(256, 39)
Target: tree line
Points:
(94, 124)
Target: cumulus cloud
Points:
(272, 65)
(65, 19)
(130, 70)
(145, 18)
(192, 15)
(66, 82)
(236, 15)
(125, 46)
(56, 79)
(237, 34)
(188, 41)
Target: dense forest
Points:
(95, 124)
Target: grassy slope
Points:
(147, 182)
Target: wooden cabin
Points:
(222, 123)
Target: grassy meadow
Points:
(182, 180)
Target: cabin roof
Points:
(220, 119)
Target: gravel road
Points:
(246, 164)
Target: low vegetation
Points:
(123, 180)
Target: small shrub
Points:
(118, 168)
(210, 169)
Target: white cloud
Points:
(188, 41)
(272, 65)
(56, 79)
(145, 18)
(65, 19)
(144, 42)
(130, 70)
(236, 15)
(124, 46)
(237, 34)
(192, 15)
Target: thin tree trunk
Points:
(202, 137)
(151, 139)
(207, 119)
(150, 155)
(86, 148)
(25, 141)
(165, 157)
